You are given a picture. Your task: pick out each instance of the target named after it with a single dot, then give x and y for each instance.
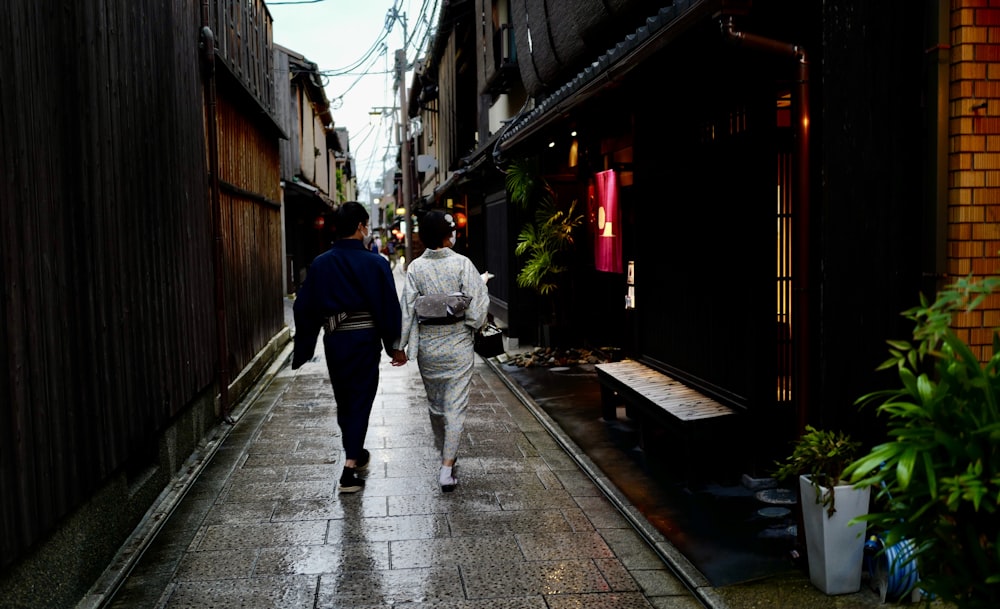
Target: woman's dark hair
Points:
(435, 227)
(347, 217)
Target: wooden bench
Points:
(699, 425)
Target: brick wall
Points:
(974, 161)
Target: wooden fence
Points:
(107, 317)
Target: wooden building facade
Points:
(141, 264)
(856, 140)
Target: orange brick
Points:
(985, 17)
(986, 196)
(991, 302)
(986, 162)
(962, 335)
(991, 319)
(993, 72)
(960, 160)
(983, 198)
(959, 17)
(968, 143)
(959, 266)
(988, 89)
(985, 267)
(992, 178)
(991, 248)
(960, 4)
(975, 36)
(981, 336)
(959, 196)
(959, 232)
(980, 352)
(993, 145)
(986, 125)
(968, 70)
(985, 230)
(965, 249)
(969, 179)
(961, 89)
(962, 16)
(962, 52)
(965, 213)
(968, 34)
(987, 53)
(970, 319)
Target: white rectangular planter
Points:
(834, 549)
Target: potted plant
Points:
(830, 507)
(938, 473)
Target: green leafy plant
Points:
(550, 232)
(339, 179)
(823, 455)
(939, 470)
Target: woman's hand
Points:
(399, 357)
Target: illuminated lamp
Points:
(604, 223)
(319, 222)
(460, 220)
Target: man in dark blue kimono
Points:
(349, 292)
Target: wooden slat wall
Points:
(287, 115)
(244, 42)
(107, 322)
(251, 222)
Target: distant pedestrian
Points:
(391, 252)
(350, 293)
(443, 349)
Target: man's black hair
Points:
(347, 217)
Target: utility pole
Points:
(405, 143)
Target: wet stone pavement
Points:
(262, 525)
(541, 519)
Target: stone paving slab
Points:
(256, 520)
(527, 527)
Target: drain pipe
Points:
(935, 263)
(207, 46)
(801, 218)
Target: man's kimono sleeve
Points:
(308, 321)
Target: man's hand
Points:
(399, 357)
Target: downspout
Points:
(207, 45)
(934, 272)
(802, 285)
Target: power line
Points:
(367, 72)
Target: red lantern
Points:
(460, 220)
(319, 222)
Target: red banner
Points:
(607, 236)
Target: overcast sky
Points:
(354, 42)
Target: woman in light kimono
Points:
(443, 349)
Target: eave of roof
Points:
(613, 65)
